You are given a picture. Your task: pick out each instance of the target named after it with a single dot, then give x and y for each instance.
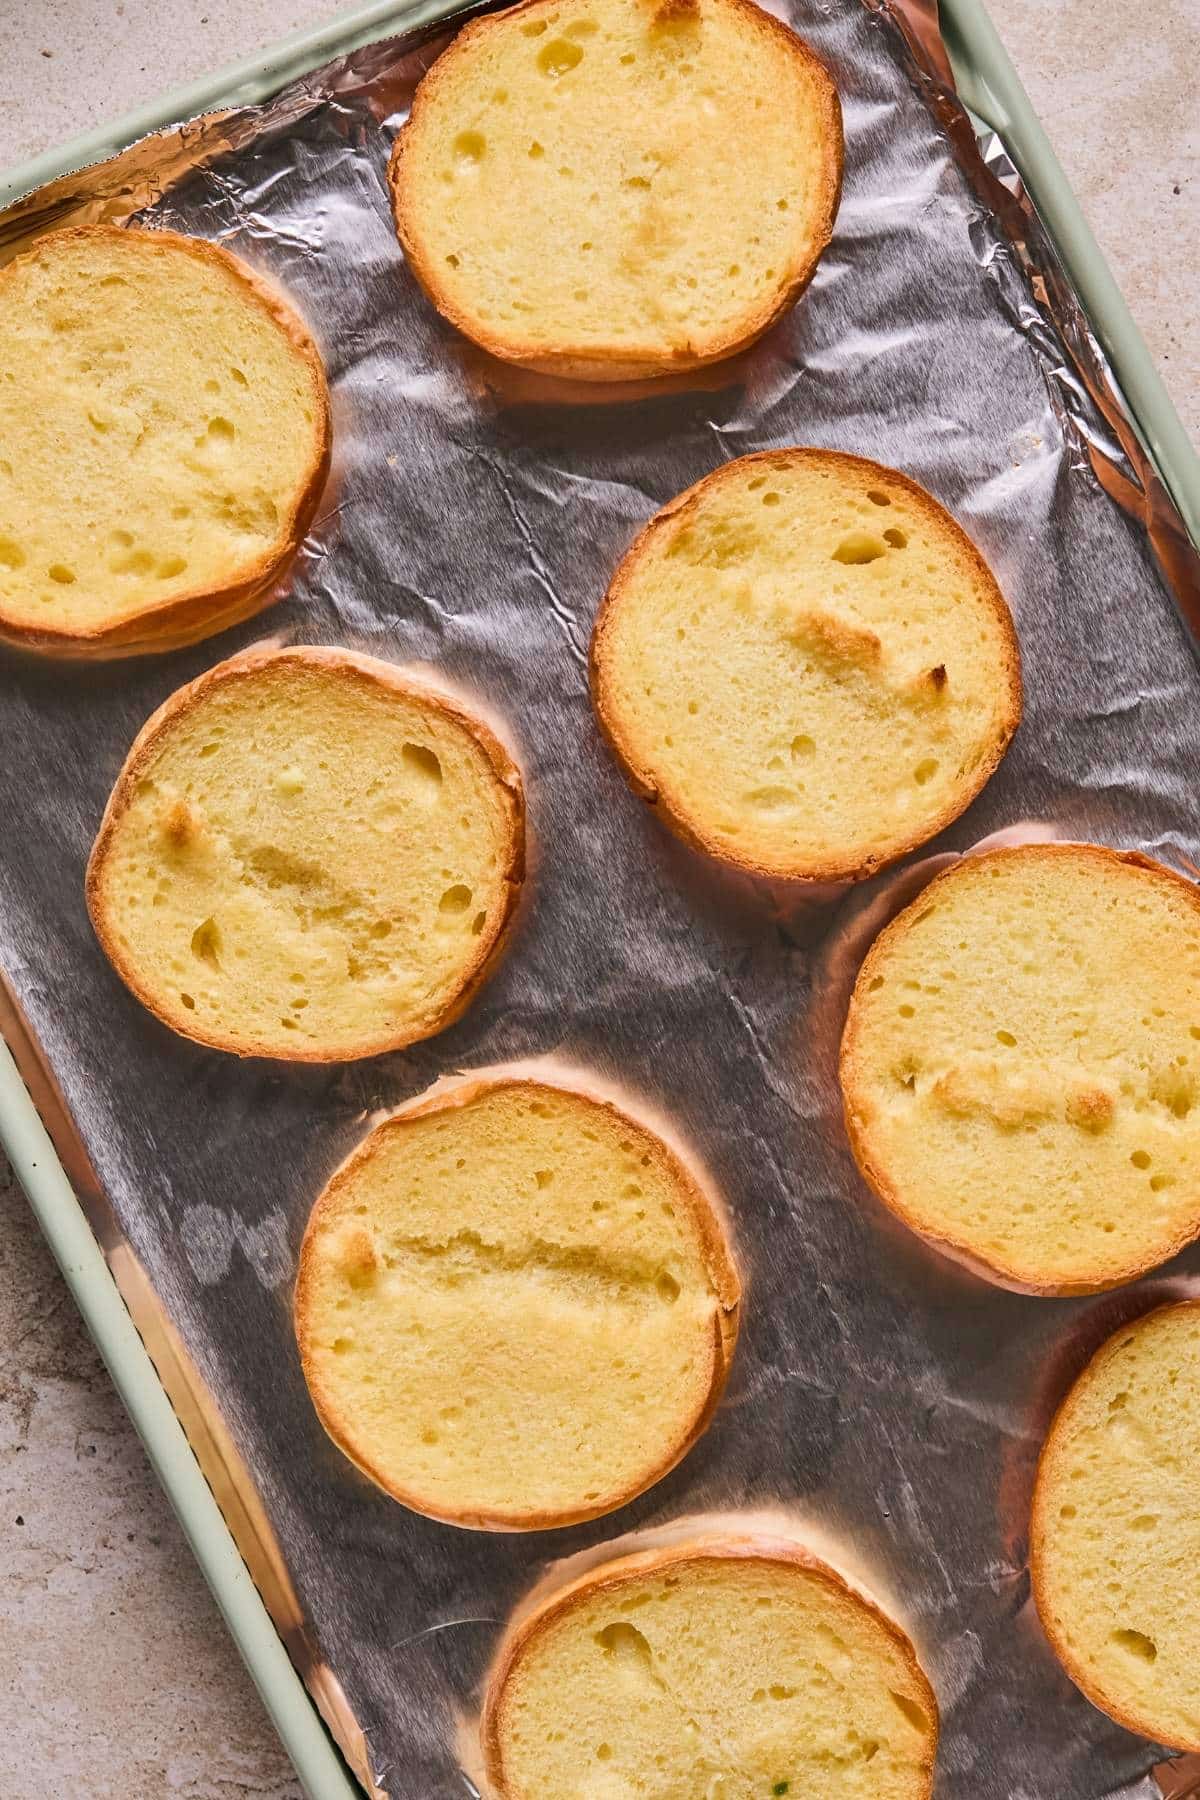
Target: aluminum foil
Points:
(474, 516)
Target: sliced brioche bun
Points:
(805, 666)
(164, 438)
(1115, 1537)
(308, 855)
(622, 189)
(516, 1303)
(1020, 1065)
(732, 1666)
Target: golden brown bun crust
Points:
(352, 668)
(460, 1091)
(186, 618)
(621, 363)
(849, 1074)
(1083, 1679)
(641, 780)
(753, 1547)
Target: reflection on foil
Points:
(473, 518)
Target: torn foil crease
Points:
(474, 514)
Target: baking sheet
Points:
(473, 519)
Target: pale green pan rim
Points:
(988, 84)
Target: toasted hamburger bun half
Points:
(516, 1302)
(309, 855)
(619, 190)
(166, 433)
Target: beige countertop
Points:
(117, 1677)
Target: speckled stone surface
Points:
(117, 1677)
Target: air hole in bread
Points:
(188, 1001)
(221, 430)
(771, 799)
(470, 147)
(456, 899)
(859, 547)
(626, 1644)
(61, 573)
(1136, 1643)
(559, 57)
(1140, 1159)
(423, 762)
(895, 537)
(803, 745)
(667, 1288)
(1006, 1037)
(170, 566)
(534, 28)
(206, 943)
(925, 771)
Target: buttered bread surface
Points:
(1116, 1527)
(515, 1305)
(735, 1667)
(616, 188)
(164, 432)
(1021, 1065)
(806, 666)
(308, 856)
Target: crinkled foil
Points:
(472, 521)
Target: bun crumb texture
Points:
(613, 189)
(734, 1667)
(515, 1305)
(308, 856)
(164, 438)
(1115, 1540)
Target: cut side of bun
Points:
(805, 666)
(1021, 1065)
(742, 1667)
(619, 189)
(308, 855)
(164, 439)
(1115, 1539)
(516, 1304)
